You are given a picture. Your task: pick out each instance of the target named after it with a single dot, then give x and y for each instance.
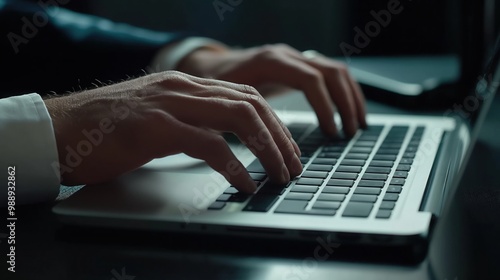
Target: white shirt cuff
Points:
(29, 145)
(169, 57)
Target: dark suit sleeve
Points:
(59, 50)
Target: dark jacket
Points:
(54, 49)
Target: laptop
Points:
(383, 187)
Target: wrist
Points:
(199, 62)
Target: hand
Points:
(118, 128)
(325, 82)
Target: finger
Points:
(246, 89)
(345, 92)
(359, 100)
(291, 72)
(340, 91)
(213, 149)
(241, 118)
(250, 94)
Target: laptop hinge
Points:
(439, 178)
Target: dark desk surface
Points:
(48, 250)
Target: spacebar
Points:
(261, 203)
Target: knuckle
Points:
(245, 110)
(267, 52)
(174, 77)
(283, 46)
(313, 76)
(250, 90)
(257, 101)
(339, 68)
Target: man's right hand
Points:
(118, 128)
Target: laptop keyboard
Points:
(336, 172)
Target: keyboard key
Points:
(388, 205)
(398, 181)
(299, 196)
(347, 176)
(326, 205)
(371, 183)
(403, 167)
(304, 160)
(349, 169)
(258, 176)
(400, 174)
(368, 137)
(337, 149)
(375, 176)
(224, 197)
(231, 190)
(310, 181)
(326, 161)
(360, 150)
(329, 155)
(256, 167)
(357, 156)
(239, 197)
(406, 161)
(357, 209)
(411, 149)
(373, 191)
(339, 190)
(317, 167)
(383, 214)
(217, 205)
(324, 212)
(391, 197)
(272, 188)
(385, 157)
(341, 183)
(390, 146)
(353, 162)
(388, 151)
(304, 189)
(382, 163)
(331, 197)
(314, 174)
(381, 170)
(291, 206)
(364, 198)
(394, 189)
(409, 155)
(364, 144)
(261, 203)
(400, 128)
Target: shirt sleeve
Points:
(28, 146)
(170, 56)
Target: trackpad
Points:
(178, 163)
(185, 164)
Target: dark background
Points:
(423, 27)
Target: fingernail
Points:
(296, 166)
(285, 175)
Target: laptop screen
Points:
(474, 108)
